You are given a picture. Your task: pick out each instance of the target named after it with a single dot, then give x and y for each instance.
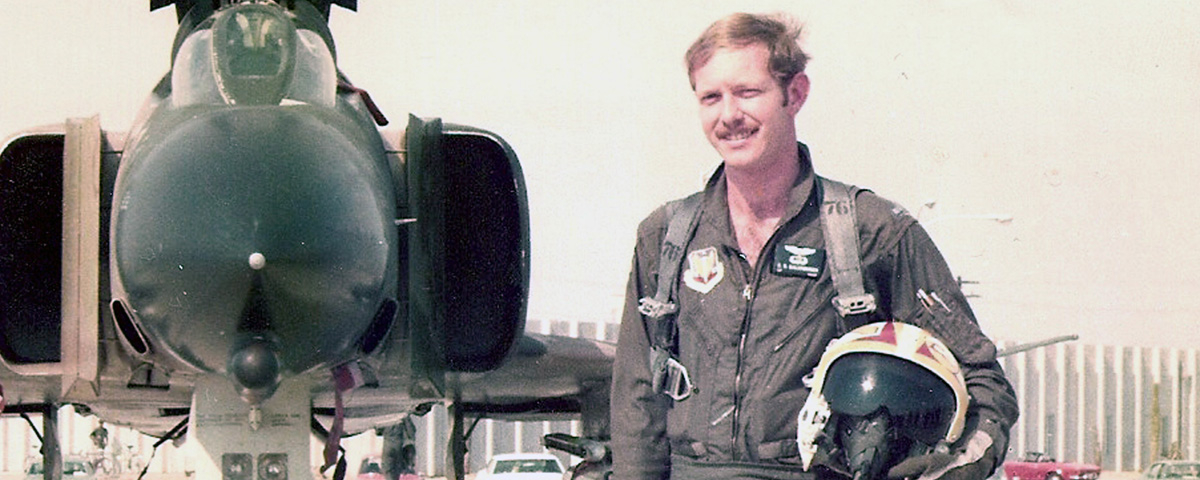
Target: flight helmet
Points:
(881, 393)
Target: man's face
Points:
(743, 110)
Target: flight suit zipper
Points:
(748, 295)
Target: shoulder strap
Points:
(838, 223)
(667, 374)
(682, 216)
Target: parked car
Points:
(1173, 469)
(595, 457)
(1039, 466)
(73, 468)
(523, 466)
(371, 468)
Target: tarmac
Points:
(132, 476)
(1106, 475)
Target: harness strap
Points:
(667, 374)
(838, 224)
(838, 220)
(683, 215)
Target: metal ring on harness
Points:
(668, 376)
(678, 384)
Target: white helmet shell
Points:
(917, 351)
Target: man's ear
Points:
(797, 93)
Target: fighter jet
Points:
(260, 243)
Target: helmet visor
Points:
(921, 404)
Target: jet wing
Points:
(545, 377)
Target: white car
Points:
(1173, 469)
(73, 469)
(523, 466)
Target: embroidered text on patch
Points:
(798, 261)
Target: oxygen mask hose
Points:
(865, 441)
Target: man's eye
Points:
(749, 93)
(709, 99)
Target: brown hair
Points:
(778, 32)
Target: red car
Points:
(1038, 466)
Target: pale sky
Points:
(1078, 119)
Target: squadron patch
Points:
(705, 270)
(797, 261)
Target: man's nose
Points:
(731, 111)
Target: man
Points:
(749, 330)
(99, 437)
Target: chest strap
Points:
(838, 220)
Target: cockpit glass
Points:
(192, 79)
(256, 44)
(253, 56)
(314, 80)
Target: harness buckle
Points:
(668, 376)
(650, 307)
(678, 383)
(855, 305)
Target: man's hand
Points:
(934, 466)
(915, 466)
(973, 462)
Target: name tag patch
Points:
(798, 261)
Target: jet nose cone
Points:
(238, 222)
